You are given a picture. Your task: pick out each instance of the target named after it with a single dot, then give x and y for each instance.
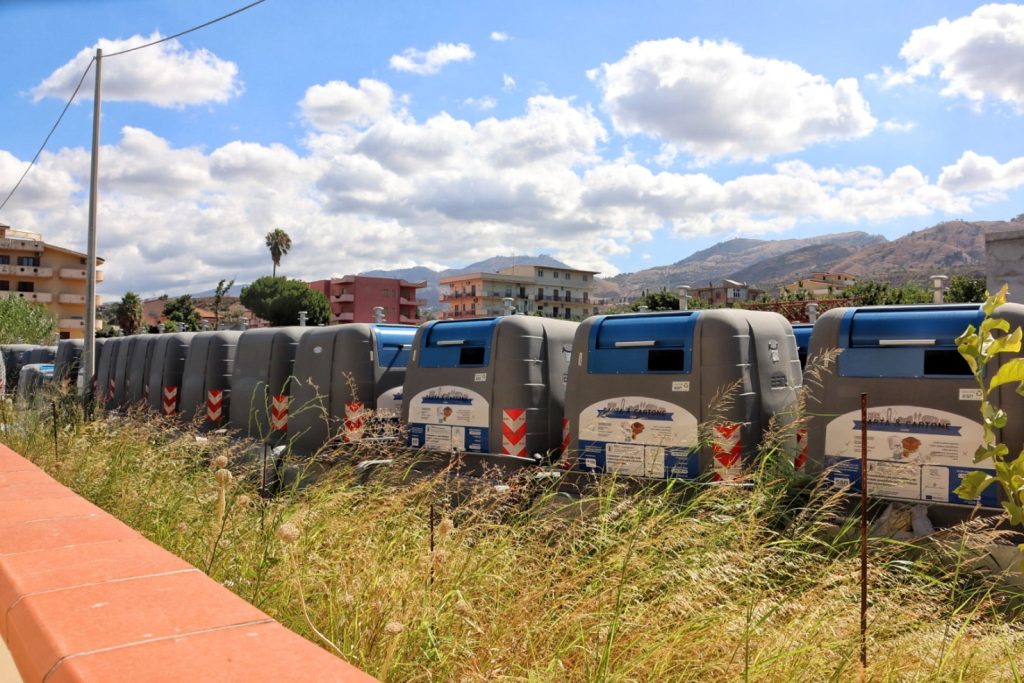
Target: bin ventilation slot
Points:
(666, 360)
(450, 342)
(470, 355)
(906, 342)
(631, 344)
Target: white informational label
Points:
(970, 394)
(449, 418)
(638, 436)
(480, 377)
(680, 386)
(914, 453)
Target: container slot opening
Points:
(666, 360)
(471, 355)
(945, 362)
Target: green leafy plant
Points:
(979, 347)
(25, 322)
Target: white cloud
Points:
(166, 75)
(508, 84)
(975, 173)
(337, 103)
(431, 61)
(485, 103)
(978, 56)
(438, 190)
(897, 126)
(714, 100)
(500, 36)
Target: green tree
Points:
(128, 313)
(26, 322)
(279, 243)
(219, 304)
(182, 312)
(279, 300)
(657, 301)
(873, 293)
(964, 289)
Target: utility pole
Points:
(89, 352)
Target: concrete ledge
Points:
(84, 599)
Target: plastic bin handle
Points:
(906, 342)
(630, 344)
(451, 342)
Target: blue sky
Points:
(615, 136)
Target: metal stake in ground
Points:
(56, 452)
(863, 532)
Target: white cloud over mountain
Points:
(978, 57)
(715, 101)
(429, 62)
(165, 75)
(337, 103)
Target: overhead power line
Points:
(49, 135)
(86, 73)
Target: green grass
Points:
(723, 584)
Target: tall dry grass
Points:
(649, 583)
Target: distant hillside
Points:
(433, 277)
(726, 258)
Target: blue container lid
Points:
(457, 343)
(934, 326)
(393, 344)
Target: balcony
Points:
(78, 299)
(411, 302)
(343, 298)
(408, 320)
(346, 317)
(72, 323)
(38, 297)
(21, 245)
(78, 274)
(25, 271)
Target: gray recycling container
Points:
(264, 361)
(923, 402)
(68, 361)
(332, 362)
(208, 367)
(32, 378)
(90, 382)
(488, 385)
(640, 384)
(15, 356)
(137, 379)
(41, 354)
(122, 376)
(106, 380)
(166, 367)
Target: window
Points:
(568, 276)
(28, 261)
(5, 285)
(586, 297)
(540, 273)
(540, 294)
(586, 277)
(4, 259)
(554, 274)
(568, 314)
(554, 311)
(26, 287)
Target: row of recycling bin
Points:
(618, 393)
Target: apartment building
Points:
(354, 297)
(552, 292)
(726, 293)
(47, 274)
(822, 284)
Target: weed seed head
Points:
(220, 462)
(393, 628)
(287, 533)
(223, 477)
(445, 527)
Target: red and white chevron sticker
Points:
(801, 449)
(725, 447)
(111, 385)
(513, 432)
(355, 421)
(214, 405)
(279, 413)
(170, 400)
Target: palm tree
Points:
(278, 242)
(129, 313)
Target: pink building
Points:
(354, 297)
